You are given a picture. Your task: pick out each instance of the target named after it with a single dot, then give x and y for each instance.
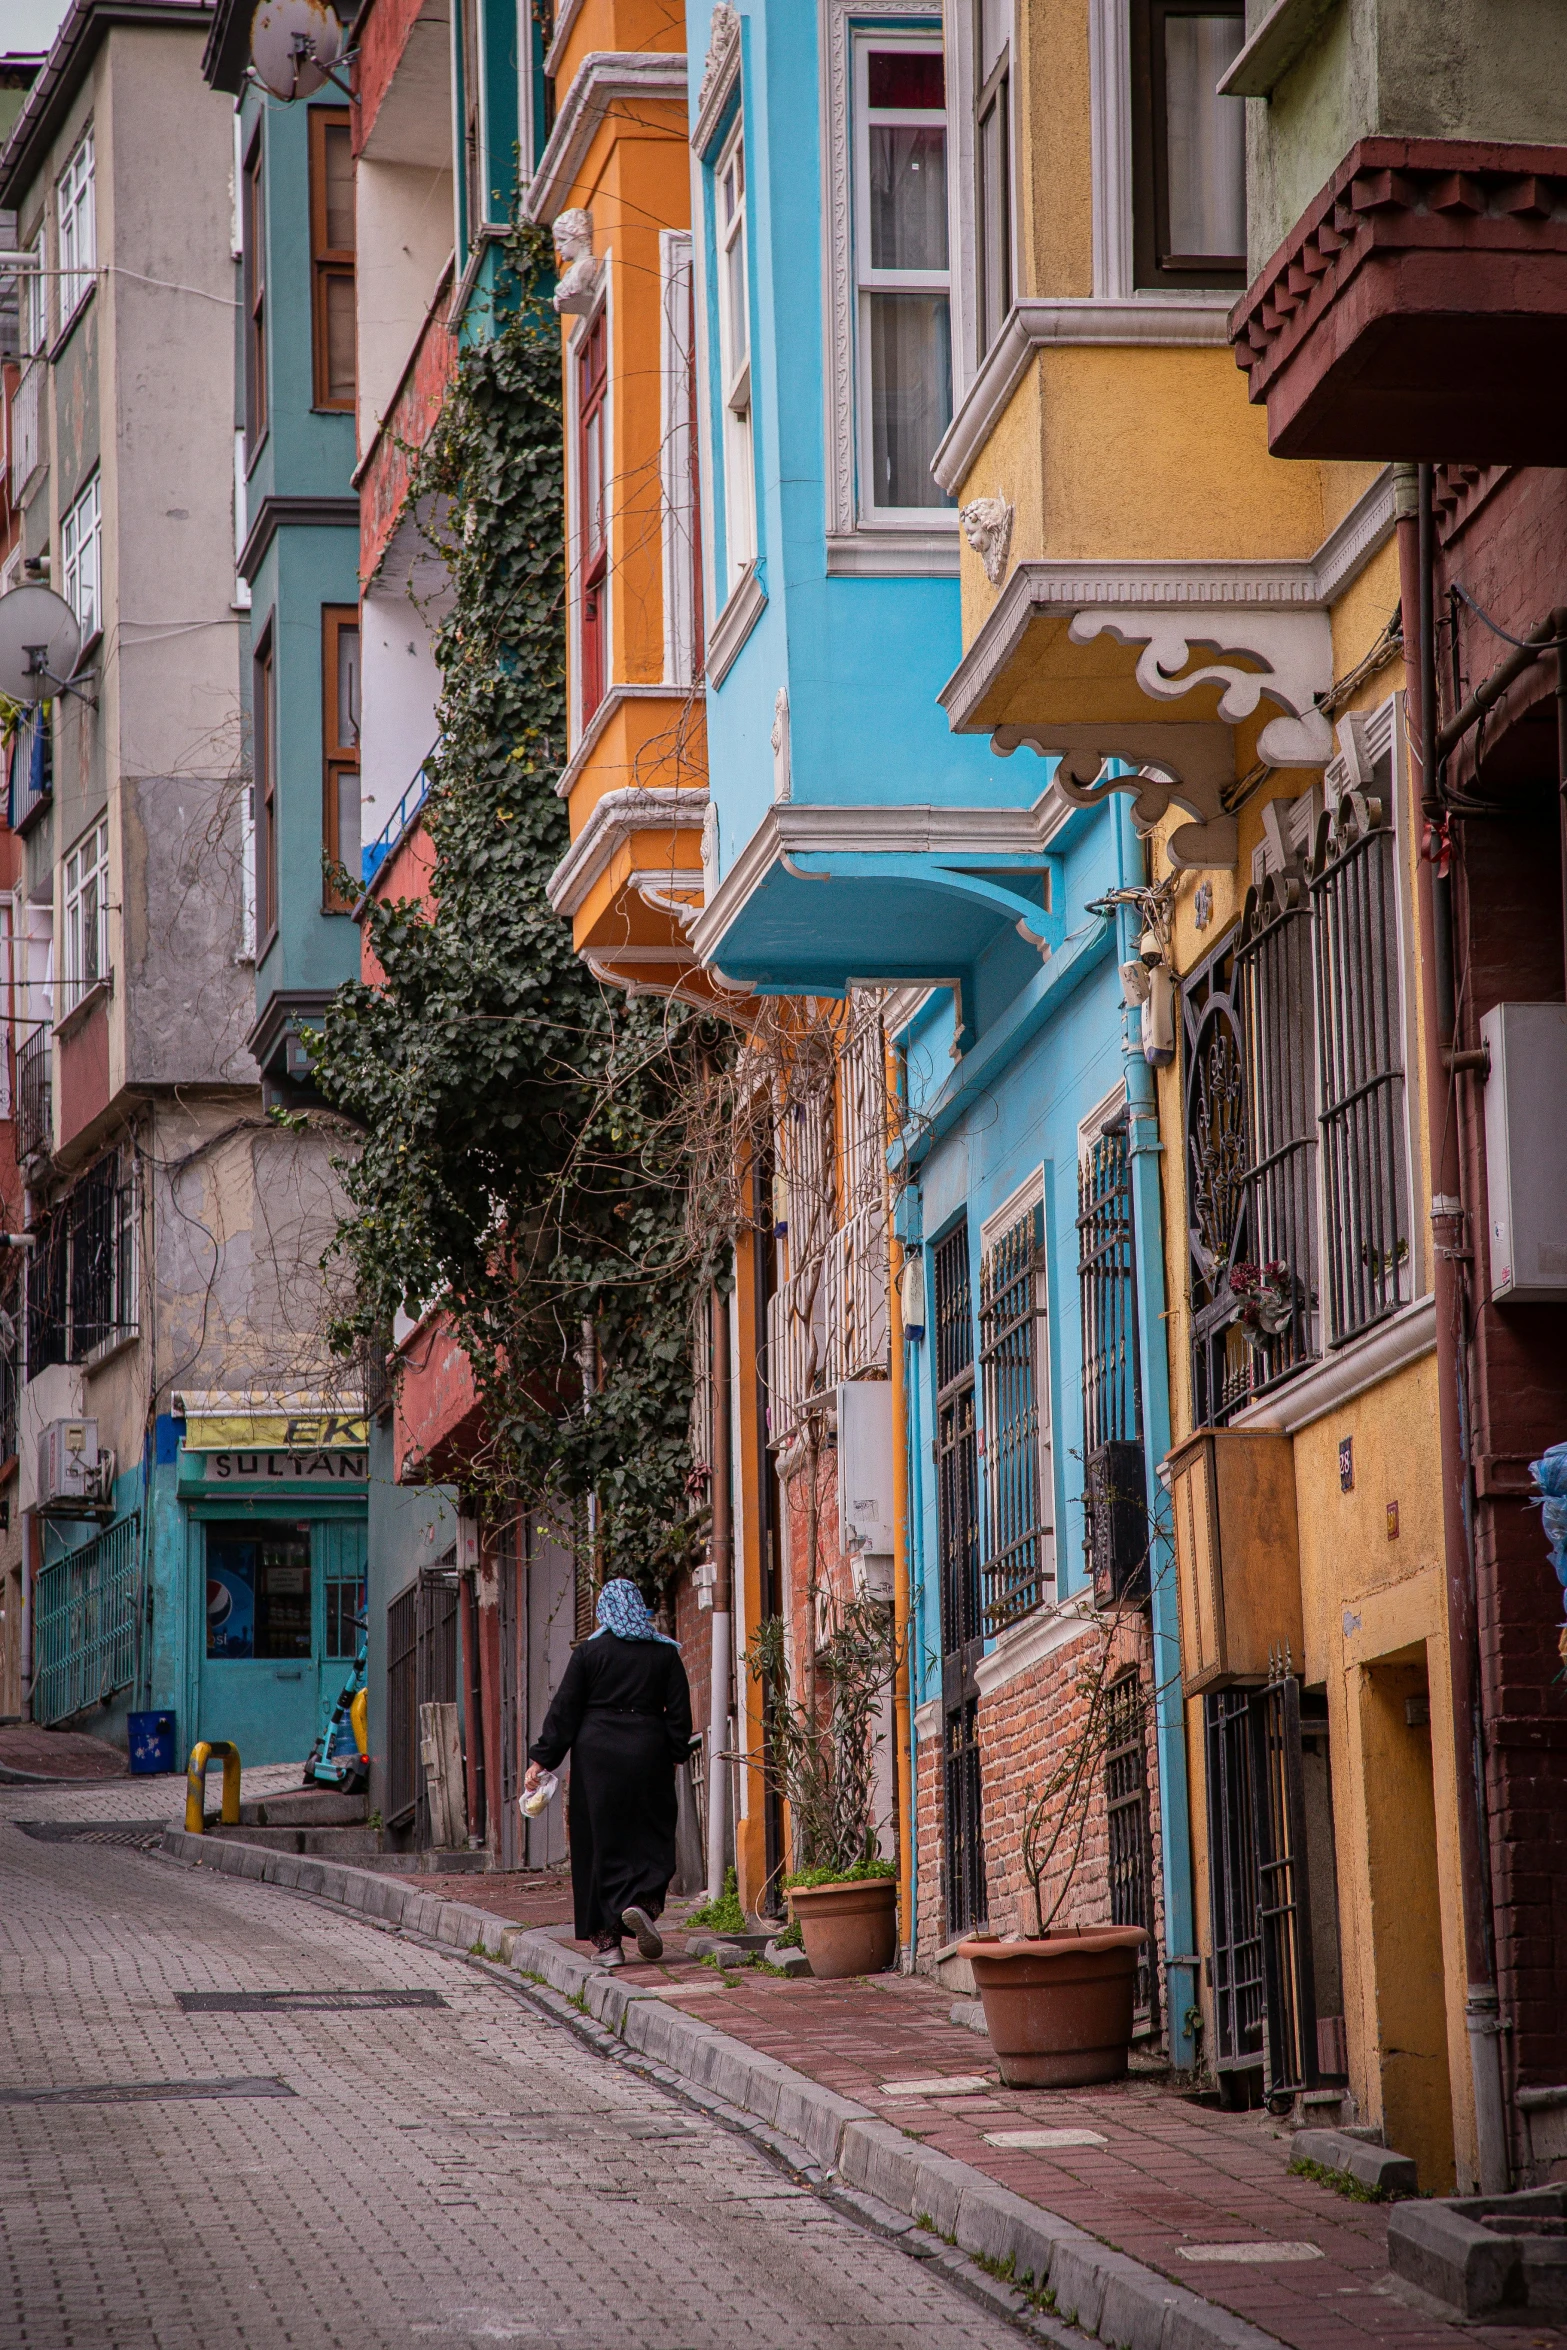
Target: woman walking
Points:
(623, 1712)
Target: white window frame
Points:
(677, 458)
(81, 559)
(737, 418)
(1024, 1201)
(577, 549)
(34, 290)
(85, 925)
(75, 197)
(868, 280)
(965, 89)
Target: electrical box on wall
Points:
(1526, 1150)
(865, 1478)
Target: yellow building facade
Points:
(1153, 600)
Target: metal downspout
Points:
(1417, 555)
(716, 1772)
(902, 1646)
(1144, 1150)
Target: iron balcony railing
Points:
(374, 855)
(84, 1623)
(34, 1094)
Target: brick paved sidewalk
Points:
(58, 1754)
(1156, 2174)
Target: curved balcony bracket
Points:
(1034, 924)
(1278, 658)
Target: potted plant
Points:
(821, 1758)
(1058, 2002)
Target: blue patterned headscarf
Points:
(623, 1611)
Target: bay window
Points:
(1189, 162)
(901, 259)
(332, 257)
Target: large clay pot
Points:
(1059, 2010)
(849, 1929)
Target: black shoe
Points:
(650, 1942)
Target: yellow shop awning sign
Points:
(275, 1432)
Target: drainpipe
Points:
(472, 1709)
(902, 1647)
(717, 1773)
(1144, 1150)
(1417, 556)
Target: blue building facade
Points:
(858, 849)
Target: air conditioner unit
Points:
(70, 1468)
(865, 1503)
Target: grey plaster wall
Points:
(189, 1000)
(1467, 69)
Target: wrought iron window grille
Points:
(1130, 1837)
(1019, 1566)
(962, 1631)
(1115, 1513)
(1365, 1151)
(1273, 965)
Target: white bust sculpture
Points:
(577, 291)
(987, 525)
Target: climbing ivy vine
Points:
(522, 1160)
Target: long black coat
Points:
(623, 1712)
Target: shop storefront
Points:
(271, 1534)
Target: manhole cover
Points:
(145, 1835)
(144, 2092)
(292, 2002)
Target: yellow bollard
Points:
(196, 1785)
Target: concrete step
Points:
(304, 1807)
(335, 1841)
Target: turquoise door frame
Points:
(269, 1708)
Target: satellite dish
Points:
(40, 639)
(294, 45)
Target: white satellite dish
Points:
(294, 45)
(40, 639)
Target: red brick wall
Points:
(1505, 538)
(1025, 1728)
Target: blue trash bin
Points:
(152, 1743)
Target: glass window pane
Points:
(911, 395)
(339, 189)
(348, 687)
(1206, 136)
(340, 372)
(908, 171)
(283, 1593)
(911, 80)
(231, 1593)
(739, 324)
(994, 25)
(348, 817)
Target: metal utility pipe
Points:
(472, 1707)
(902, 1646)
(1417, 554)
(1486, 696)
(722, 1620)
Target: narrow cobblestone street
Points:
(455, 2172)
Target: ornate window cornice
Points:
(719, 75)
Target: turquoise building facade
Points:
(855, 843)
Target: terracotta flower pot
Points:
(849, 1929)
(1059, 2010)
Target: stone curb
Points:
(1377, 2167)
(1103, 2292)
